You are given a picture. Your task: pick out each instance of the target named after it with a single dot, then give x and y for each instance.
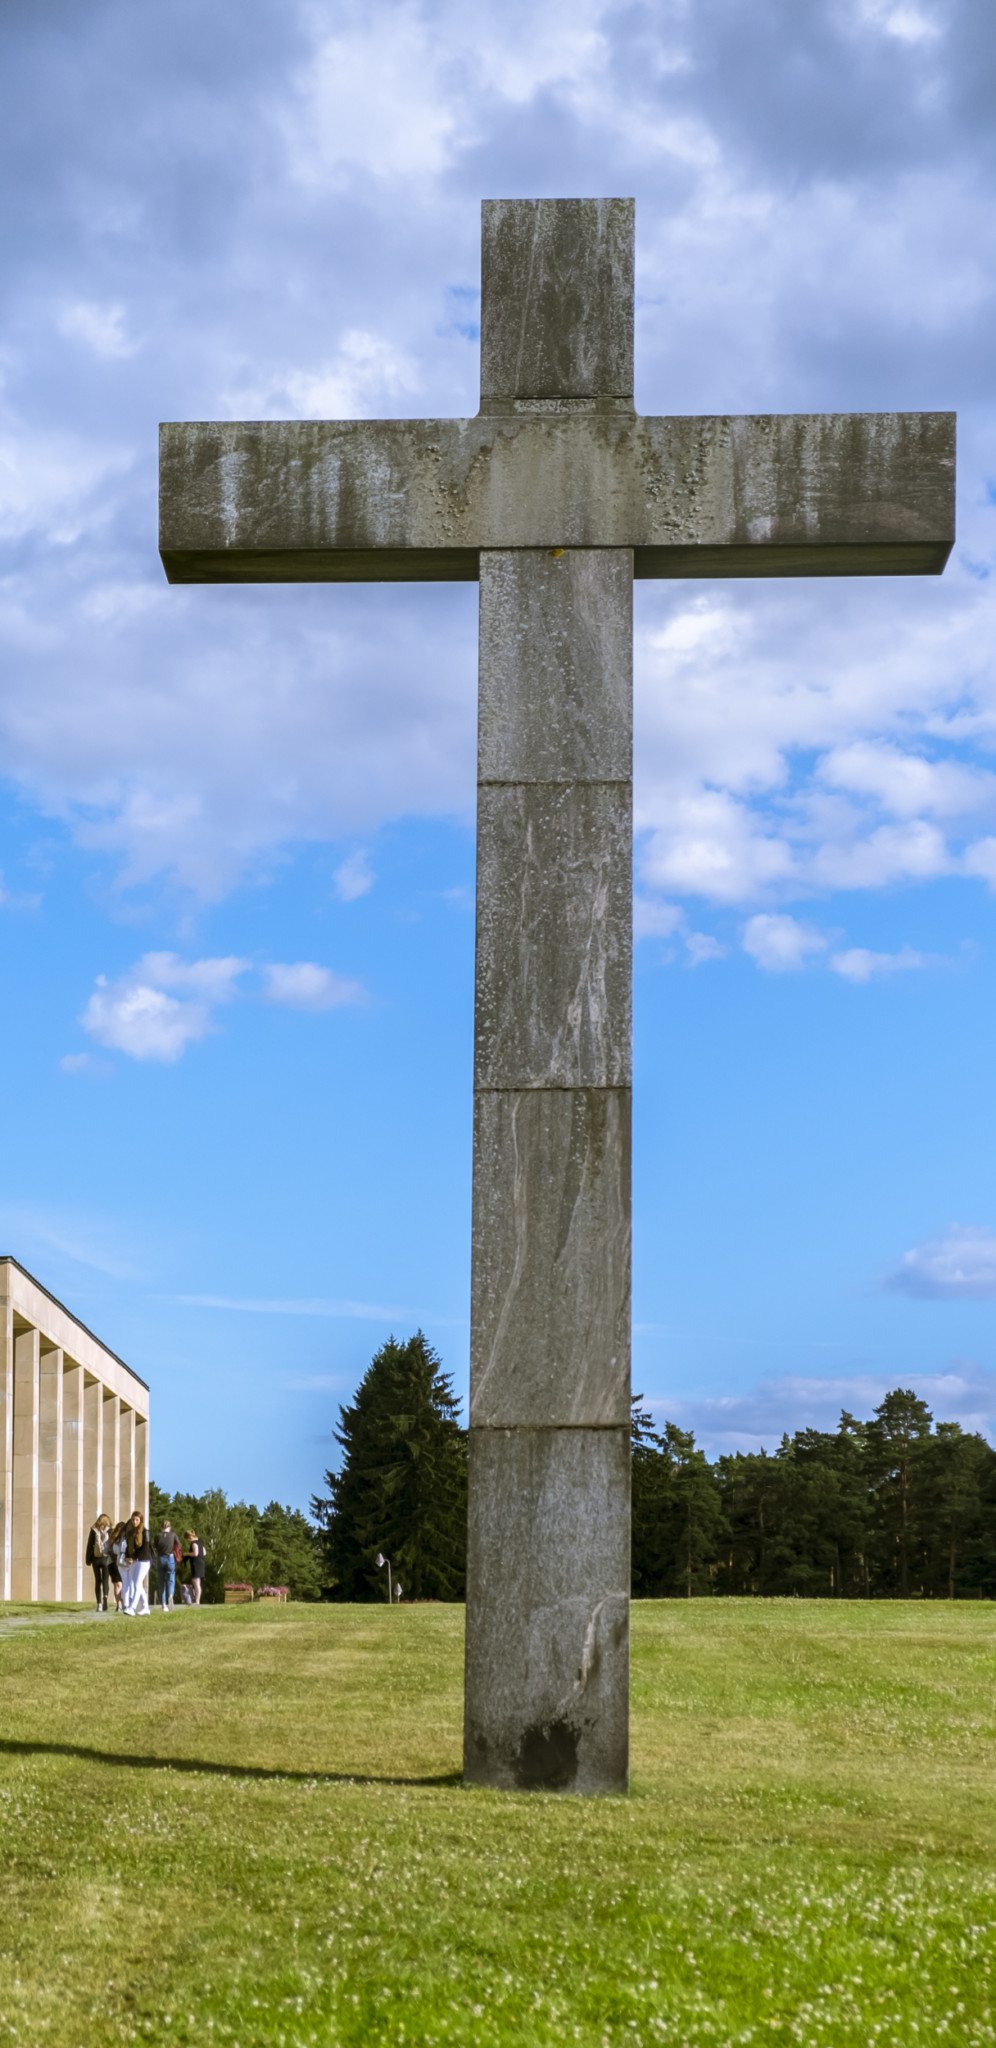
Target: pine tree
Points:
(401, 1487)
(954, 1469)
(692, 1515)
(895, 1440)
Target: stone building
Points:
(74, 1441)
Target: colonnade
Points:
(74, 1435)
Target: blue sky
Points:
(236, 826)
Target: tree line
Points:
(895, 1507)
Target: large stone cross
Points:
(555, 496)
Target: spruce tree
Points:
(401, 1487)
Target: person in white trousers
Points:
(135, 1568)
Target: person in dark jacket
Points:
(135, 1571)
(119, 1552)
(194, 1555)
(98, 1555)
(166, 1549)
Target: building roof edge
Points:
(7, 1259)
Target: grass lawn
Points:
(246, 1826)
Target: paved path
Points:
(11, 1624)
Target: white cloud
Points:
(349, 1311)
(893, 853)
(712, 846)
(48, 478)
(909, 785)
(373, 99)
(899, 18)
(701, 947)
(75, 1062)
(397, 99)
(780, 944)
(980, 859)
(139, 1015)
(655, 920)
(758, 1416)
(857, 963)
(354, 877)
(363, 380)
(305, 986)
(143, 1022)
(165, 1003)
(787, 261)
(960, 1265)
(120, 604)
(214, 980)
(100, 327)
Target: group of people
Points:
(122, 1556)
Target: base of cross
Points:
(547, 1702)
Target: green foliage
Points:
(677, 1512)
(401, 1487)
(892, 1507)
(287, 1552)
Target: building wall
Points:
(74, 1441)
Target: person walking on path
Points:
(166, 1549)
(194, 1555)
(136, 1569)
(119, 1552)
(98, 1555)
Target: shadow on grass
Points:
(202, 1765)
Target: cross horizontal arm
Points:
(819, 494)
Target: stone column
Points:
(6, 1439)
(548, 1571)
(112, 1455)
(141, 1498)
(126, 1487)
(74, 1528)
(93, 1451)
(50, 1475)
(24, 1574)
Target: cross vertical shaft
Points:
(548, 1562)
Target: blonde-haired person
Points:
(98, 1556)
(135, 1570)
(194, 1555)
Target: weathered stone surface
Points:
(306, 500)
(554, 935)
(556, 665)
(556, 300)
(547, 1609)
(551, 1250)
